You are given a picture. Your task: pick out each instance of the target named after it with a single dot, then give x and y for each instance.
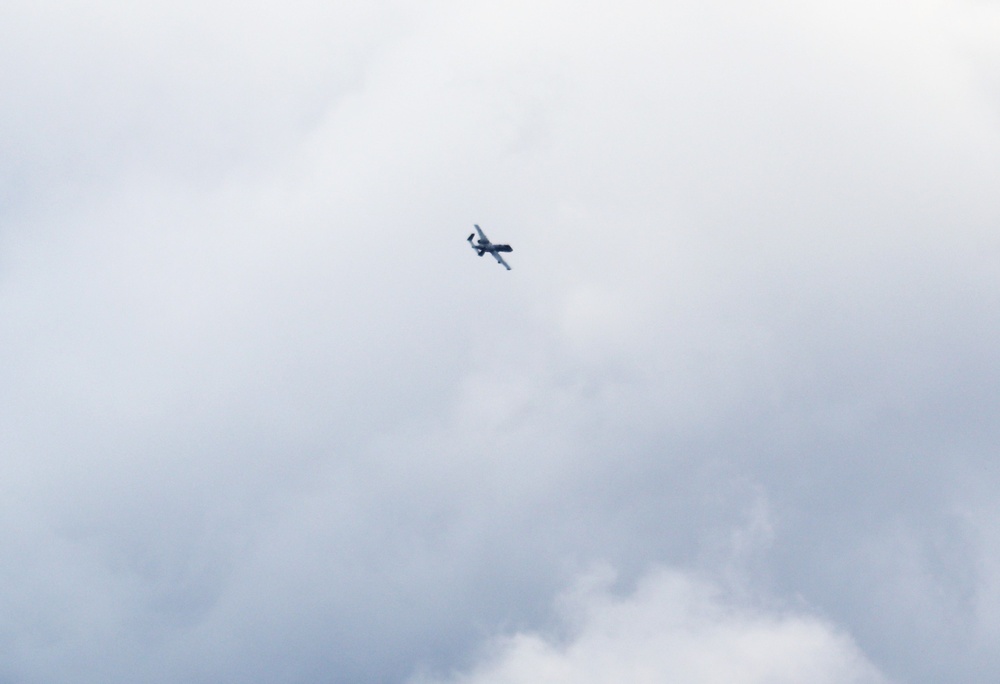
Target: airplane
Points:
(483, 245)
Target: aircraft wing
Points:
(500, 260)
(481, 233)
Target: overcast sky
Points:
(732, 416)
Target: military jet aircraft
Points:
(483, 245)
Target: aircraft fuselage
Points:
(484, 246)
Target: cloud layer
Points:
(266, 417)
(674, 628)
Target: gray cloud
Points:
(266, 417)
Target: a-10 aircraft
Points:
(483, 245)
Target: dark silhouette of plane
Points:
(483, 245)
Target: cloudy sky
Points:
(731, 418)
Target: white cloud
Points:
(673, 628)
